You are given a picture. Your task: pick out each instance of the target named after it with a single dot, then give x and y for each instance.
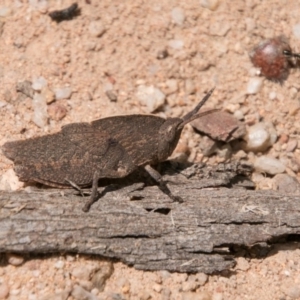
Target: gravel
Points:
(254, 85)
(176, 44)
(258, 138)
(178, 16)
(151, 97)
(63, 93)
(40, 115)
(9, 181)
(121, 44)
(15, 260)
(96, 28)
(286, 184)
(39, 83)
(269, 165)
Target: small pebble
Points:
(254, 85)
(291, 146)
(269, 165)
(239, 115)
(4, 291)
(79, 293)
(48, 94)
(286, 184)
(15, 260)
(59, 264)
(250, 24)
(176, 44)
(151, 97)
(190, 285)
(82, 273)
(220, 125)
(40, 115)
(96, 28)
(296, 31)
(201, 278)
(100, 277)
(57, 111)
(4, 11)
(225, 151)
(283, 139)
(39, 83)
(210, 4)
(63, 93)
(208, 146)
(257, 138)
(242, 264)
(178, 16)
(9, 181)
(220, 29)
(162, 54)
(171, 86)
(272, 95)
(25, 87)
(157, 287)
(111, 95)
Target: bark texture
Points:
(142, 227)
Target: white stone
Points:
(239, 114)
(10, 181)
(176, 44)
(178, 16)
(63, 93)
(242, 264)
(272, 95)
(96, 28)
(4, 11)
(151, 97)
(39, 83)
(254, 85)
(269, 165)
(201, 278)
(59, 264)
(209, 4)
(296, 31)
(258, 138)
(15, 260)
(40, 115)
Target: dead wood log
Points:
(143, 228)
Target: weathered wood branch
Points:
(143, 228)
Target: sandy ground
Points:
(103, 58)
